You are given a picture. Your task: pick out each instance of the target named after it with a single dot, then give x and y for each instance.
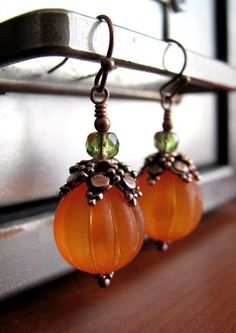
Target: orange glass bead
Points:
(98, 239)
(172, 207)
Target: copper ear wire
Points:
(99, 93)
(107, 64)
(172, 87)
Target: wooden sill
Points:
(189, 288)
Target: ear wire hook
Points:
(173, 86)
(107, 64)
(57, 66)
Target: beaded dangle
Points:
(171, 201)
(99, 225)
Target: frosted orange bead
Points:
(172, 207)
(98, 239)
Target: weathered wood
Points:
(189, 288)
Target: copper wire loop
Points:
(173, 41)
(173, 86)
(107, 63)
(95, 92)
(166, 102)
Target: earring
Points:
(99, 226)
(171, 201)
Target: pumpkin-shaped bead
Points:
(172, 207)
(98, 239)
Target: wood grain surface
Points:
(189, 288)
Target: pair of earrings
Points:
(99, 225)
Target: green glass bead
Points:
(166, 141)
(102, 145)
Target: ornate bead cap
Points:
(179, 164)
(100, 176)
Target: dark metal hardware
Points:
(178, 5)
(49, 32)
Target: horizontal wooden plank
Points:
(186, 289)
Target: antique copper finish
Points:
(107, 63)
(178, 163)
(167, 159)
(101, 173)
(101, 123)
(99, 93)
(100, 176)
(104, 280)
(172, 87)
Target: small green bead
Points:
(102, 145)
(93, 144)
(166, 141)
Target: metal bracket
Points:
(56, 32)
